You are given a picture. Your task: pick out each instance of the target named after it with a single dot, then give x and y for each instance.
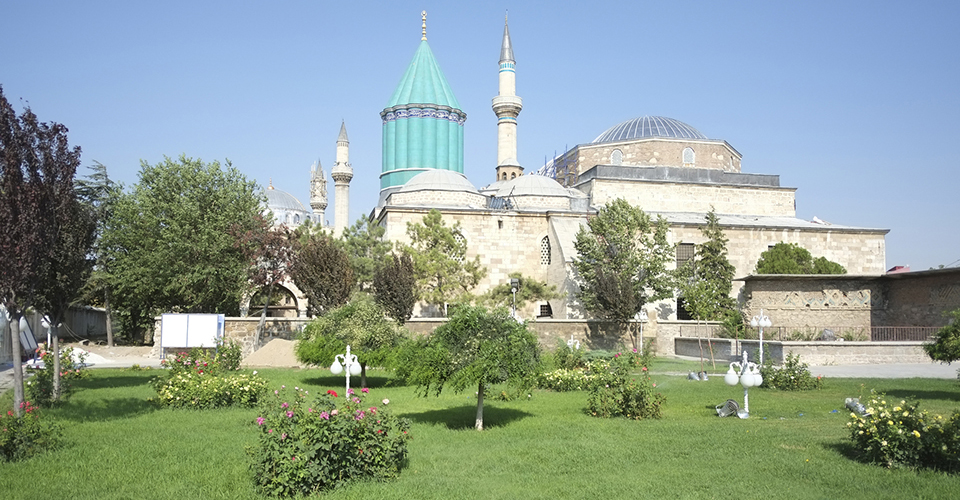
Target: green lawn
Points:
(793, 446)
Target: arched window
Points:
(296, 219)
(616, 158)
(513, 175)
(545, 251)
(286, 218)
(689, 157)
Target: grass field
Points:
(117, 445)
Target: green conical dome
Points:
(422, 123)
(423, 82)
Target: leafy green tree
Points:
(444, 274)
(395, 287)
(529, 290)
(475, 348)
(946, 345)
(366, 248)
(37, 170)
(171, 240)
(70, 266)
(321, 270)
(790, 258)
(705, 282)
(360, 324)
(621, 261)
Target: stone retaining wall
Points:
(814, 353)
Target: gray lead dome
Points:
(649, 126)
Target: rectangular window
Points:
(685, 252)
(545, 311)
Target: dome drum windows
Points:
(616, 158)
(689, 157)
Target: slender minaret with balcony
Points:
(507, 106)
(342, 173)
(318, 191)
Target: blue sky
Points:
(856, 104)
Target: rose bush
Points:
(25, 436)
(309, 444)
(902, 435)
(197, 379)
(40, 385)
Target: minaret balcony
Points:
(507, 104)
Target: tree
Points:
(171, 241)
(37, 168)
(100, 193)
(321, 269)
(790, 258)
(475, 348)
(529, 290)
(706, 280)
(360, 324)
(269, 253)
(395, 287)
(946, 345)
(621, 261)
(366, 248)
(444, 274)
(71, 262)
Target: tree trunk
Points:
(106, 305)
(55, 347)
(17, 365)
(263, 318)
(480, 407)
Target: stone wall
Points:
(662, 196)
(244, 330)
(814, 353)
(920, 299)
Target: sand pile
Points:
(278, 353)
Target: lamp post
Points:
(760, 321)
(642, 316)
(349, 362)
(748, 374)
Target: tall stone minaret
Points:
(318, 192)
(507, 106)
(342, 173)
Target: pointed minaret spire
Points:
(342, 173)
(507, 106)
(423, 15)
(318, 191)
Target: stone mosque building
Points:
(527, 222)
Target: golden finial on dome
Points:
(271, 184)
(423, 15)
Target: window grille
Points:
(616, 158)
(685, 252)
(689, 157)
(545, 311)
(545, 251)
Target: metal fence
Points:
(811, 333)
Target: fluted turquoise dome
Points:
(422, 123)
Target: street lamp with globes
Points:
(353, 367)
(761, 321)
(748, 374)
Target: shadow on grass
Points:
(373, 381)
(952, 396)
(115, 381)
(464, 417)
(103, 410)
(846, 449)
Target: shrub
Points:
(902, 435)
(198, 380)
(40, 386)
(566, 357)
(792, 376)
(634, 399)
(308, 445)
(25, 436)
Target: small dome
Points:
(438, 180)
(649, 126)
(282, 200)
(532, 185)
